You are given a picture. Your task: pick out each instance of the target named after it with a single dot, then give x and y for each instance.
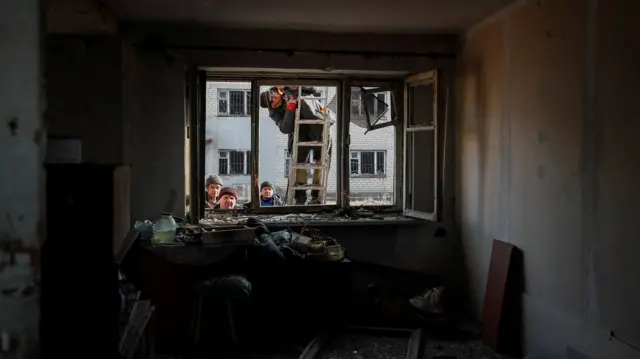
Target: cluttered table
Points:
(168, 272)
(202, 245)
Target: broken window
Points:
(369, 162)
(372, 155)
(421, 146)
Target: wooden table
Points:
(167, 274)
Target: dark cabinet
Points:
(88, 214)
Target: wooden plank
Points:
(415, 344)
(134, 330)
(501, 294)
(316, 344)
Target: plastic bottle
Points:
(164, 229)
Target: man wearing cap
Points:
(213, 184)
(228, 199)
(267, 197)
(282, 110)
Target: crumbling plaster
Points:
(22, 149)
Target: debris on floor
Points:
(364, 346)
(474, 349)
(218, 218)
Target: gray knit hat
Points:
(214, 179)
(266, 184)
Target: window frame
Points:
(375, 163)
(423, 78)
(245, 103)
(343, 83)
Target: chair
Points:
(217, 296)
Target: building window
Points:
(234, 103)
(234, 162)
(376, 103)
(367, 163)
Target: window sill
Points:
(311, 220)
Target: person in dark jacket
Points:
(213, 184)
(282, 110)
(267, 197)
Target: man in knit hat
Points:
(267, 197)
(213, 184)
(282, 109)
(228, 199)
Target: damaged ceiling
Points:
(375, 16)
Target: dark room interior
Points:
(335, 179)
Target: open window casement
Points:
(420, 185)
(376, 105)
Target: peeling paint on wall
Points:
(21, 178)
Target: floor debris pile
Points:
(475, 349)
(364, 346)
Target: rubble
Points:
(216, 218)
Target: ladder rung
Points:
(309, 186)
(319, 98)
(310, 122)
(309, 166)
(310, 143)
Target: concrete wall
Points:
(84, 86)
(548, 160)
(153, 129)
(22, 176)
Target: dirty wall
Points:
(22, 143)
(548, 160)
